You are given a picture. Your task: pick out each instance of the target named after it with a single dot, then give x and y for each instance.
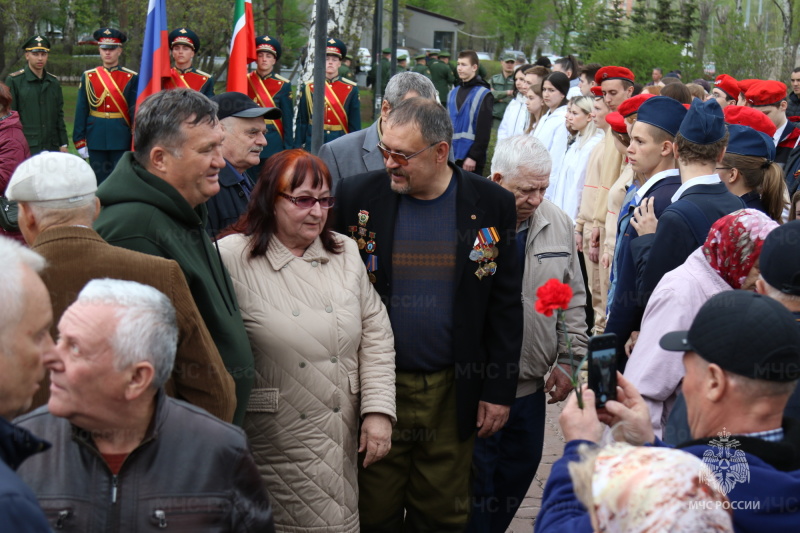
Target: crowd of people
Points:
(251, 337)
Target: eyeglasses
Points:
(401, 159)
(724, 168)
(307, 202)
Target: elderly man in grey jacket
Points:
(126, 457)
(357, 152)
(506, 463)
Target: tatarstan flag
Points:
(243, 46)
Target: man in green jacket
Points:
(421, 67)
(442, 78)
(386, 71)
(36, 96)
(503, 88)
(154, 202)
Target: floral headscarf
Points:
(734, 244)
(644, 489)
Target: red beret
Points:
(613, 73)
(765, 92)
(617, 122)
(597, 91)
(631, 105)
(747, 116)
(745, 84)
(728, 85)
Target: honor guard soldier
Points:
(36, 96)
(342, 108)
(267, 88)
(106, 100)
(183, 45)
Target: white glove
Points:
(83, 152)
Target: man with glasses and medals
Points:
(104, 112)
(342, 108)
(456, 315)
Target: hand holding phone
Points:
(603, 368)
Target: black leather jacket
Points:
(191, 473)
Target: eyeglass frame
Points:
(401, 159)
(294, 199)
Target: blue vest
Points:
(465, 119)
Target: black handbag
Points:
(8, 214)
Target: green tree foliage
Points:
(743, 57)
(516, 22)
(640, 51)
(573, 17)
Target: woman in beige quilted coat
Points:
(323, 347)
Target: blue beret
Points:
(662, 112)
(744, 140)
(704, 123)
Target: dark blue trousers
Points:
(103, 162)
(505, 464)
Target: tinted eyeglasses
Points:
(307, 202)
(401, 159)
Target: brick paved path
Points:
(553, 450)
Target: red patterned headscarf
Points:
(734, 244)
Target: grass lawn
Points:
(70, 99)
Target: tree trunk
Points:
(105, 12)
(70, 28)
(705, 9)
(337, 22)
(785, 8)
(279, 22)
(265, 25)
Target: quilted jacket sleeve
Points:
(376, 355)
(561, 509)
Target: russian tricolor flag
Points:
(155, 52)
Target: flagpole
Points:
(320, 57)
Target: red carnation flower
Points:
(552, 296)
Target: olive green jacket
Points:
(40, 105)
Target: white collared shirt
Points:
(777, 137)
(710, 179)
(652, 181)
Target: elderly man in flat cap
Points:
(245, 138)
(57, 206)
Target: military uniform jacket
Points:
(274, 91)
(442, 78)
(40, 105)
(422, 69)
(103, 114)
(500, 87)
(342, 112)
(191, 78)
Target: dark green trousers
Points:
(423, 484)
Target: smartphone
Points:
(603, 368)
